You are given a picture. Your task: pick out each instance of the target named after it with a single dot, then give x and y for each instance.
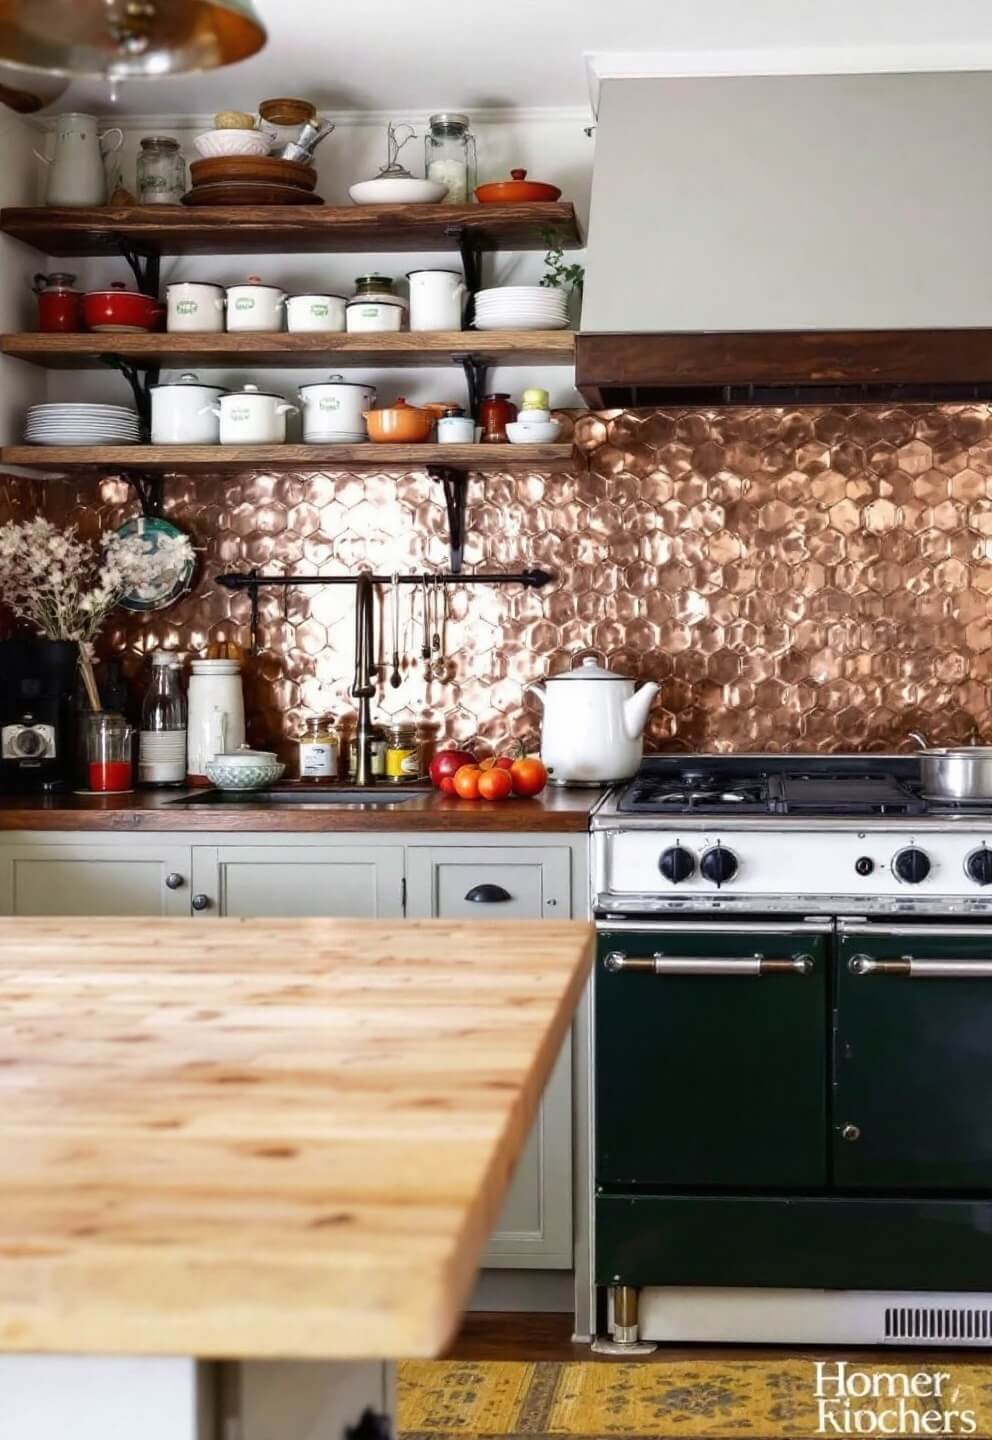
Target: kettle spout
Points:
(635, 710)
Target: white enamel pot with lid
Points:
(250, 416)
(333, 409)
(254, 306)
(183, 414)
(593, 727)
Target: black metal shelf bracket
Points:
(141, 379)
(149, 488)
(455, 486)
(145, 266)
(254, 580)
(475, 370)
(470, 249)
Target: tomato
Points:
(504, 762)
(446, 762)
(466, 782)
(496, 762)
(529, 776)
(495, 784)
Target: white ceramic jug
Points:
(76, 174)
(593, 724)
(437, 299)
(216, 713)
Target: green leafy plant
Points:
(557, 274)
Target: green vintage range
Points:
(792, 1103)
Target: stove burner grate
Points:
(821, 792)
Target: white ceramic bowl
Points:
(520, 434)
(214, 143)
(533, 417)
(401, 191)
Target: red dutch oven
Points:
(121, 309)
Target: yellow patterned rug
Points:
(702, 1399)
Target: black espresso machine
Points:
(37, 714)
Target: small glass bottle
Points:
(162, 737)
(319, 749)
(161, 171)
(450, 157)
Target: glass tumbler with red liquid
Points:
(108, 752)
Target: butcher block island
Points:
(279, 1139)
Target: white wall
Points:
(20, 385)
(811, 201)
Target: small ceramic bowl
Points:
(534, 417)
(214, 143)
(397, 190)
(519, 433)
(244, 769)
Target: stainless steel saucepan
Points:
(962, 772)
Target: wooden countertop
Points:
(287, 1138)
(555, 811)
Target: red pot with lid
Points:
(121, 309)
(60, 305)
(515, 190)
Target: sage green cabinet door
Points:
(363, 882)
(474, 882)
(96, 879)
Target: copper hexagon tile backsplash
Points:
(814, 578)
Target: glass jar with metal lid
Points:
(404, 753)
(319, 749)
(450, 156)
(161, 171)
(376, 287)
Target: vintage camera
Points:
(28, 739)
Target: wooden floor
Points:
(504, 1335)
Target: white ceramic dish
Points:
(534, 417)
(520, 434)
(520, 322)
(367, 316)
(214, 143)
(244, 769)
(397, 191)
(194, 307)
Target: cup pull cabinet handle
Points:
(908, 965)
(488, 895)
(755, 965)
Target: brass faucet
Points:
(363, 688)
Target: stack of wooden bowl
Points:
(251, 180)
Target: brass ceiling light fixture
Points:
(127, 39)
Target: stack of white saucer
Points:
(521, 307)
(79, 424)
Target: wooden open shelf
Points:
(180, 459)
(283, 350)
(274, 229)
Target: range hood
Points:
(788, 238)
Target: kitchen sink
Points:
(305, 796)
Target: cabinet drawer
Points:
(482, 883)
(272, 881)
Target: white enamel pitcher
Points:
(437, 299)
(593, 724)
(76, 173)
(216, 713)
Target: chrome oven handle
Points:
(709, 964)
(949, 969)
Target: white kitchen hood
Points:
(786, 206)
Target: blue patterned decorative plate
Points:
(174, 582)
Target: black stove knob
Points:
(864, 865)
(912, 866)
(978, 867)
(718, 865)
(677, 863)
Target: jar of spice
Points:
(377, 754)
(404, 753)
(495, 413)
(450, 156)
(376, 287)
(161, 171)
(60, 305)
(319, 749)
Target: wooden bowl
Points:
(231, 192)
(252, 170)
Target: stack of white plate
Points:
(334, 437)
(521, 307)
(80, 424)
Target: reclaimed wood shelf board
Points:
(299, 350)
(287, 229)
(179, 459)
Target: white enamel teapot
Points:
(593, 724)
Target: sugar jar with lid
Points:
(319, 749)
(161, 171)
(60, 305)
(450, 156)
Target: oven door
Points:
(912, 1101)
(711, 1055)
